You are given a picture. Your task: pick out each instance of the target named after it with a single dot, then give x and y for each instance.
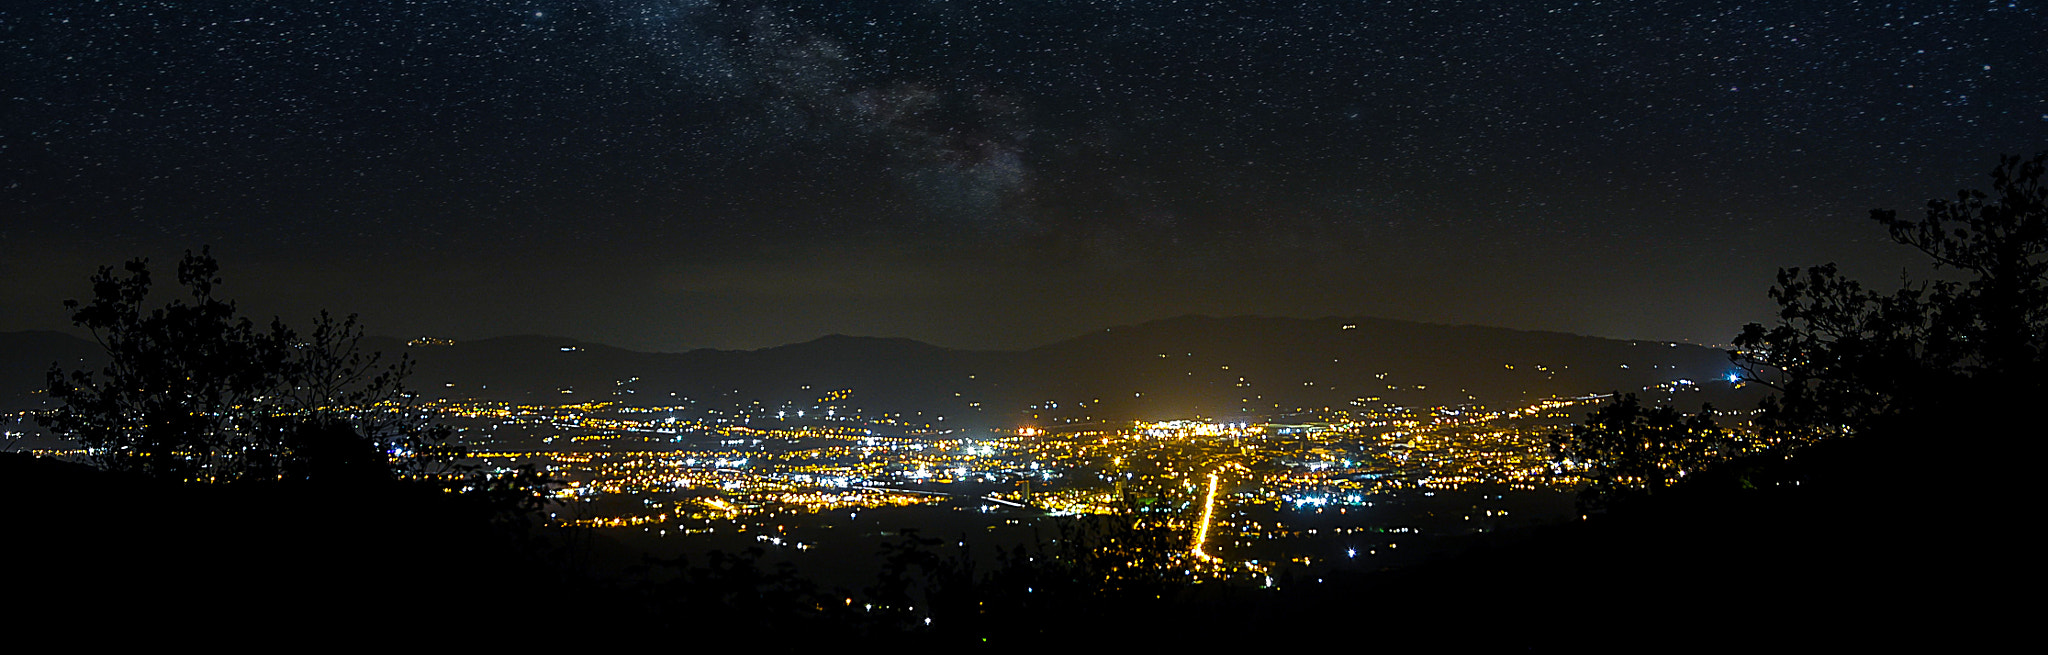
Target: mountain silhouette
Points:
(1245, 367)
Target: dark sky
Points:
(676, 174)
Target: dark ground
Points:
(1866, 542)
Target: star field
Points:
(679, 174)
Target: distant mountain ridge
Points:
(1224, 368)
(25, 359)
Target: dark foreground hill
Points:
(138, 559)
(1850, 544)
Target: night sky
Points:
(670, 175)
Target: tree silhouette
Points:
(260, 473)
(1624, 448)
(194, 393)
(1998, 314)
(1102, 570)
(1844, 359)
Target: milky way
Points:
(678, 174)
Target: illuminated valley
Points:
(1343, 489)
(1360, 443)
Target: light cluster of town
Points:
(801, 475)
(1345, 485)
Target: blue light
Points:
(1734, 377)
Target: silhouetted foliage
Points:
(1100, 570)
(1121, 555)
(1843, 358)
(194, 393)
(1847, 360)
(734, 594)
(1624, 448)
